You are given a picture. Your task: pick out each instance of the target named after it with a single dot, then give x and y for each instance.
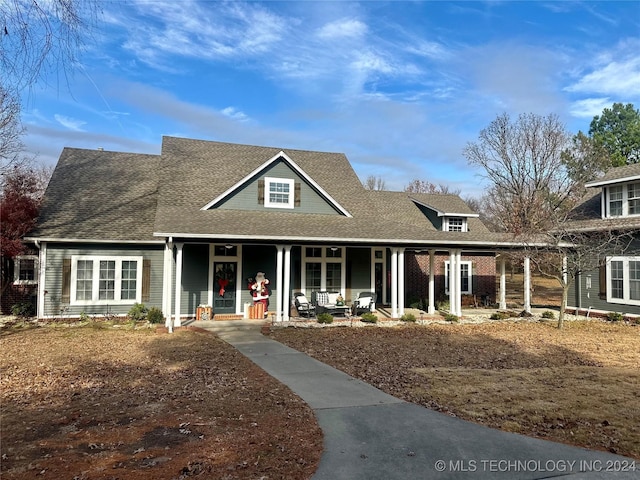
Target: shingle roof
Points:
(613, 175)
(95, 194)
(121, 196)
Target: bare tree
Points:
(11, 131)
(39, 37)
(522, 161)
(424, 186)
(566, 253)
(374, 183)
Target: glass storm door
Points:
(224, 287)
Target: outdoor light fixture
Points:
(228, 246)
(333, 249)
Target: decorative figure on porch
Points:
(260, 291)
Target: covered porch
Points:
(217, 275)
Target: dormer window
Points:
(279, 192)
(623, 200)
(454, 224)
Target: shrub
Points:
(615, 317)
(325, 318)
(23, 309)
(499, 316)
(369, 317)
(408, 317)
(450, 317)
(138, 312)
(155, 315)
(548, 314)
(84, 317)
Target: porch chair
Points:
(364, 303)
(304, 307)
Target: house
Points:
(613, 204)
(193, 226)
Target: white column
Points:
(42, 267)
(502, 303)
(279, 282)
(452, 282)
(176, 320)
(394, 283)
(166, 285)
(432, 284)
(458, 296)
(527, 285)
(286, 289)
(400, 282)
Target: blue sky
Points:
(399, 87)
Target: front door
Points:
(224, 287)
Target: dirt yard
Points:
(93, 403)
(578, 385)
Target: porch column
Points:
(502, 302)
(455, 283)
(400, 282)
(286, 288)
(42, 265)
(166, 285)
(176, 321)
(459, 282)
(394, 283)
(279, 283)
(527, 284)
(432, 284)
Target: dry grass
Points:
(93, 403)
(578, 385)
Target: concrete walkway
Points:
(371, 435)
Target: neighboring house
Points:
(614, 204)
(190, 227)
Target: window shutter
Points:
(603, 281)
(296, 197)
(146, 280)
(260, 192)
(66, 281)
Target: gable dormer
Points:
(620, 195)
(446, 212)
(279, 184)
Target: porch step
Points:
(227, 316)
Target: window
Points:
(633, 197)
(334, 276)
(25, 270)
(615, 201)
(279, 193)
(465, 277)
(96, 280)
(623, 200)
(323, 269)
(454, 224)
(623, 280)
(313, 276)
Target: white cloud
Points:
(616, 78)
(69, 122)
(589, 107)
(231, 112)
(342, 28)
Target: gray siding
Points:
(582, 297)
(247, 197)
(195, 277)
(56, 253)
(358, 272)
